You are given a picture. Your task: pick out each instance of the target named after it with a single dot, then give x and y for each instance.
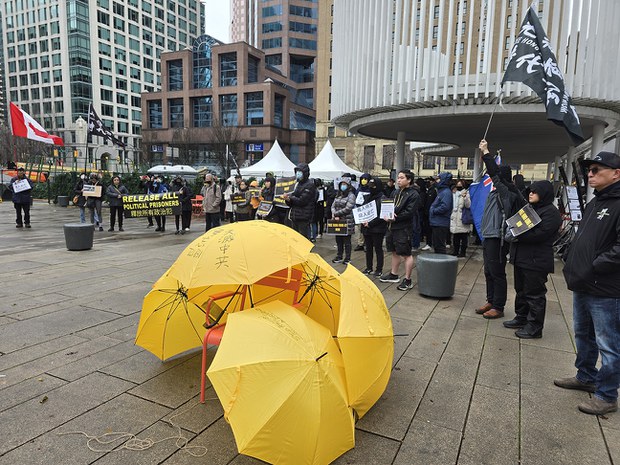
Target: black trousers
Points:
(343, 244)
(185, 218)
(494, 255)
(374, 242)
(114, 213)
(440, 236)
(303, 228)
(19, 207)
(161, 222)
(212, 220)
(459, 243)
(531, 298)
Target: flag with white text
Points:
(532, 62)
(97, 128)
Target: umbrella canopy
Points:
(279, 376)
(172, 170)
(275, 162)
(328, 165)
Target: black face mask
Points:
(459, 188)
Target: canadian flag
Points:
(24, 125)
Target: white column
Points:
(617, 148)
(477, 166)
(556, 168)
(597, 145)
(570, 158)
(399, 160)
(549, 171)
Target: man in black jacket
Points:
(592, 272)
(301, 201)
(503, 202)
(531, 253)
(400, 230)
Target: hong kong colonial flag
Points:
(478, 192)
(533, 63)
(23, 125)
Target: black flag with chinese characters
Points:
(533, 62)
(97, 128)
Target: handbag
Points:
(466, 216)
(76, 199)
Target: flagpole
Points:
(499, 99)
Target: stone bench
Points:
(437, 274)
(79, 236)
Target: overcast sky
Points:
(218, 19)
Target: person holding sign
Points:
(266, 210)
(531, 254)
(93, 191)
(21, 187)
(301, 201)
(241, 201)
(400, 230)
(374, 230)
(342, 210)
(115, 194)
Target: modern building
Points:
(392, 86)
(60, 56)
(286, 30)
(215, 95)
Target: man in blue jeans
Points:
(592, 272)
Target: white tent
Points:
(275, 162)
(172, 170)
(327, 165)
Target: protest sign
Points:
(137, 206)
(21, 185)
(91, 191)
(337, 228)
(237, 198)
(387, 209)
(365, 213)
(284, 185)
(264, 208)
(522, 221)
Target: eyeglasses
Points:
(596, 169)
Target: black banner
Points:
(264, 208)
(138, 206)
(337, 228)
(533, 63)
(283, 186)
(238, 198)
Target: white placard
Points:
(321, 195)
(387, 210)
(89, 190)
(571, 193)
(21, 185)
(361, 197)
(365, 213)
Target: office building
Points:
(215, 95)
(60, 56)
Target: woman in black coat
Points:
(374, 231)
(531, 253)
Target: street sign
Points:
(254, 147)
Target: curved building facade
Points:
(430, 71)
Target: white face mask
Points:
(83, 177)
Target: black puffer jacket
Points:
(533, 250)
(303, 197)
(593, 261)
(405, 206)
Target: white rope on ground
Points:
(131, 442)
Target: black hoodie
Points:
(378, 225)
(302, 199)
(533, 250)
(593, 261)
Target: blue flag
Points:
(478, 192)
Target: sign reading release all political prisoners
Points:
(137, 206)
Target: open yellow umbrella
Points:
(366, 339)
(279, 376)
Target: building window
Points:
(509, 22)
(155, 114)
(272, 11)
(175, 113)
(435, 31)
(387, 161)
(228, 110)
(428, 162)
(331, 130)
(507, 43)
(459, 49)
(302, 43)
(341, 154)
(436, 12)
(203, 71)
(457, 68)
(305, 28)
(278, 111)
(274, 60)
(275, 42)
(228, 69)
(303, 11)
(275, 26)
(252, 69)
(450, 163)
(203, 111)
(254, 109)
(470, 163)
(369, 158)
(175, 75)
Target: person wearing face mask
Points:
(182, 221)
(374, 231)
(211, 200)
(267, 193)
(301, 201)
(94, 203)
(439, 213)
(364, 190)
(157, 187)
(342, 210)
(21, 198)
(115, 194)
(81, 200)
(244, 209)
(531, 253)
(460, 231)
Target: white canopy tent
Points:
(328, 166)
(275, 162)
(173, 170)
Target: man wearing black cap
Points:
(592, 272)
(22, 188)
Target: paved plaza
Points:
(464, 390)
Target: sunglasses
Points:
(596, 169)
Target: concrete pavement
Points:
(464, 390)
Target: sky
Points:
(218, 19)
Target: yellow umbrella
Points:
(279, 376)
(366, 339)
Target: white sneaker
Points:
(187, 229)
(426, 247)
(318, 236)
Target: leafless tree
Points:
(183, 139)
(222, 136)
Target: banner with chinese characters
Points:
(138, 206)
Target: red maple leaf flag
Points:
(23, 125)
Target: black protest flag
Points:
(97, 128)
(533, 63)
